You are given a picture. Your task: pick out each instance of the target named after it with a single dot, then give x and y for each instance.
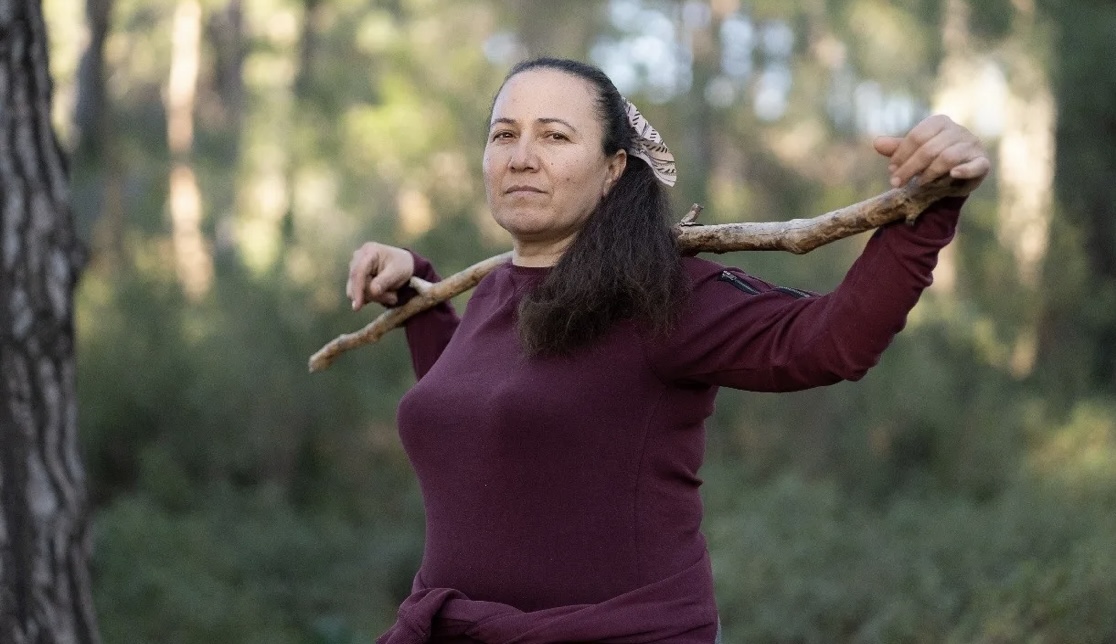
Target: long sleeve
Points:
(429, 332)
(741, 332)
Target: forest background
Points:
(227, 156)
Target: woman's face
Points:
(544, 169)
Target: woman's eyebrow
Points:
(544, 120)
(557, 120)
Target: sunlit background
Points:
(229, 155)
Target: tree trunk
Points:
(89, 109)
(94, 147)
(1085, 90)
(226, 33)
(954, 96)
(702, 131)
(309, 42)
(556, 27)
(1025, 175)
(1026, 168)
(44, 515)
(1026, 154)
(192, 259)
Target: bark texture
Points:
(44, 517)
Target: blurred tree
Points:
(95, 146)
(1026, 147)
(1083, 326)
(994, 78)
(225, 35)
(954, 95)
(44, 520)
(191, 254)
(556, 27)
(1025, 172)
(89, 107)
(225, 31)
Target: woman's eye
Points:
(503, 134)
(558, 136)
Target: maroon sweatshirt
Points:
(561, 493)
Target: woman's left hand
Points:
(935, 147)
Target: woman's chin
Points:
(537, 225)
(523, 225)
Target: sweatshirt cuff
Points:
(938, 222)
(423, 270)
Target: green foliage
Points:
(797, 561)
(245, 567)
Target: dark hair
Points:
(624, 262)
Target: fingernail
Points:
(895, 182)
(892, 168)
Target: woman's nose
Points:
(523, 155)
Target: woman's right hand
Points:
(377, 272)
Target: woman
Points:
(557, 428)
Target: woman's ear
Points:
(615, 170)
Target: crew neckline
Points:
(516, 269)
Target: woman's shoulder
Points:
(709, 277)
(703, 271)
(698, 268)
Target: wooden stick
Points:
(801, 236)
(429, 295)
(796, 236)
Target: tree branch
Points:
(796, 236)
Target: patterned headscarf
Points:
(648, 145)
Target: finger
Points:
(920, 160)
(977, 168)
(926, 130)
(955, 155)
(361, 270)
(355, 287)
(385, 297)
(934, 159)
(388, 280)
(349, 281)
(886, 145)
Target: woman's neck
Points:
(536, 255)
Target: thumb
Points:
(886, 145)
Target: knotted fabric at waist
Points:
(679, 609)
